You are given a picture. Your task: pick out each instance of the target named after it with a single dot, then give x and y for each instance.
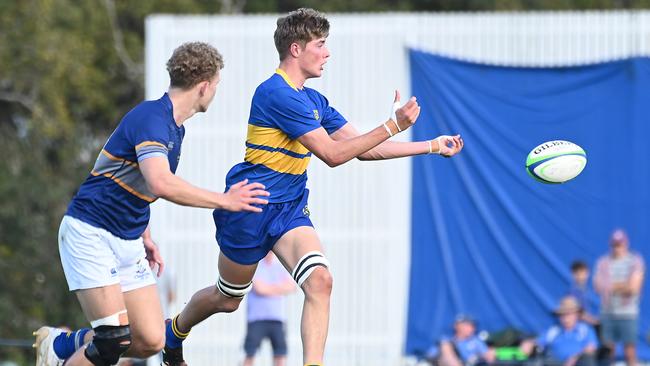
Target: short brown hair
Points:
(578, 266)
(192, 63)
(302, 26)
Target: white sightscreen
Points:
(362, 209)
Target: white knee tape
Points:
(232, 290)
(307, 264)
(115, 320)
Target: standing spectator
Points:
(569, 343)
(618, 281)
(583, 293)
(464, 348)
(265, 310)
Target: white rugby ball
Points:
(556, 161)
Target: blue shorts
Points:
(260, 329)
(246, 237)
(615, 329)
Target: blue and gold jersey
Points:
(115, 196)
(280, 113)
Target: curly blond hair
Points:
(302, 26)
(192, 63)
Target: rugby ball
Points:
(556, 161)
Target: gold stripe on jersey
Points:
(125, 186)
(115, 158)
(274, 149)
(274, 138)
(149, 143)
(277, 161)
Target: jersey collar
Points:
(286, 78)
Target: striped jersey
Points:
(115, 196)
(280, 113)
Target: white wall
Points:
(361, 210)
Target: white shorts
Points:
(93, 257)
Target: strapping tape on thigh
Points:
(117, 319)
(307, 264)
(232, 290)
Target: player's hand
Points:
(406, 115)
(571, 361)
(153, 255)
(449, 146)
(243, 196)
(526, 347)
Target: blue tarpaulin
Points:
(487, 239)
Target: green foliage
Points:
(70, 70)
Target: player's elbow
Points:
(159, 187)
(331, 160)
(336, 162)
(332, 163)
(336, 159)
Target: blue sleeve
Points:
(149, 135)
(481, 346)
(291, 114)
(591, 338)
(332, 119)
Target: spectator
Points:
(583, 293)
(265, 312)
(464, 348)
(618, 281)
(570, 343)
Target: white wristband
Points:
(438, 139)
(430, 148)
(388, 130)
(393, 115)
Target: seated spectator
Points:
(464, 348)
(580, 289)
(571, 343)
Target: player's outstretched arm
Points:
(335, 153)
(162, 183)
(446, 146)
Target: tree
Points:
(69, 71)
